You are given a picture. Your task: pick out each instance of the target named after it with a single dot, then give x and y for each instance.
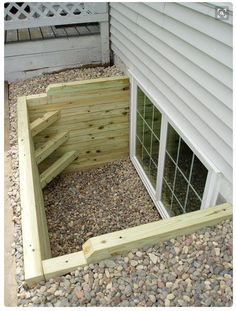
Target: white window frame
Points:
(213, 177)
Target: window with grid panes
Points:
(148, 136)
(184, 175)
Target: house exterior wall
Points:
(182, 55)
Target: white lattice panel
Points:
(39, 14)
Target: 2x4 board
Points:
(77, 126)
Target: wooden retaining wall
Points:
(80, 125)
(96, 114)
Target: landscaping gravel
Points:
(81, 205)
(193, 270)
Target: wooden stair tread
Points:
(42, 123)
(49, 146)
(57, 167)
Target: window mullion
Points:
(176, 166)
(190, 175)
(161, 158)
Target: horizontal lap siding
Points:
(185, 58)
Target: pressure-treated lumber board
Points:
(41, 123)
(101, 247)
(91, 161)
(57, 167)
(36, 245)
(112, 244)
(51, 145)
(63, 264)
(111, 134)
(90, 110)
(77, 115)
(60, 89)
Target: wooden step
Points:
(42, 123)
(51, 145)
(57, 167)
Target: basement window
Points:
(178, 178)
(184, 176)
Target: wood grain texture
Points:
(111, 244)
(63, 264)
(57, 167)
(36, 245)
(104, 246)
(49, 146)
(42, 123)
(95, 112)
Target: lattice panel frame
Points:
(38, 14)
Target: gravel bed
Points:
(81, 205)
(194, 270)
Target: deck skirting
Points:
(27, 59)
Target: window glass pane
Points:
(148, 111)
(147, 137)
(184, 174)
(157, 122)
(185, 158)
(180, 189)
(138, 150)
(193, 202)
(155, 149)
(140, 101)
(169, 171)
(153, 174)
(146, 160)
(172, 142)
(147, 149)
(199, 176)
(166, 196)
(176, 208)
(139, 127)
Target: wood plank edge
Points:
(61, 265)
(98, 248)
(24, 145)
(52, 87)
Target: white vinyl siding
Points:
(183, 57)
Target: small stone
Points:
(185, 249)
(133, 263)
(217, 251)
(109, 263)
(139, 254)
(162, 267)
(36, 300)
(152, 298)
(79, 294)
(127, 290)
(186, 298)
(170, 296)
(86, 278)
(227, 276)
(167, 302)
(107, 273)
(177, 250)
(140, 267)
(153, 258)
(169, 284)
(185, 276)
(109, 286)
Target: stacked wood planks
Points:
(96, 114)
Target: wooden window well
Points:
(52, 130)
